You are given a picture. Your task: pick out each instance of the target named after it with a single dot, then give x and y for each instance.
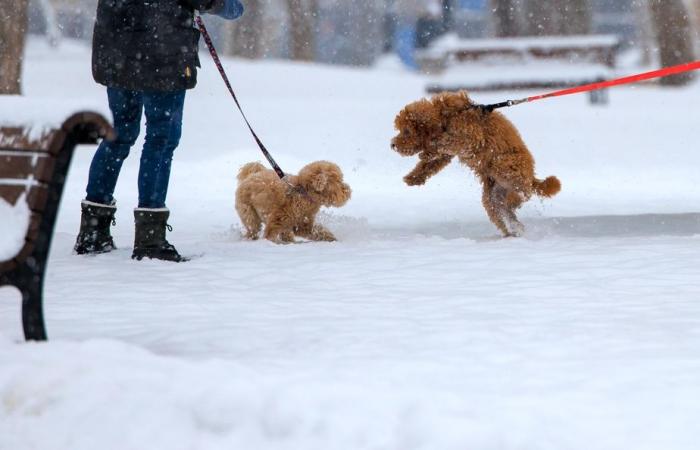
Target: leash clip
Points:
(298, 188)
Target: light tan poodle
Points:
(450, 125)
(289, 210)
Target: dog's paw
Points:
(428, 156)
(515, 227)
(323, 236)
(515, 231)
(280, 241)
(414, 180)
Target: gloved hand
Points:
(227, 9)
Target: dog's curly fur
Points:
(450, 125)
(262, 198)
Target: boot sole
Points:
(178, 260)
(92, 252)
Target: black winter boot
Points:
(94, 236)
(149, 240)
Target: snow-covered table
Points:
(34, 160)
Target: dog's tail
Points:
(249, 169)
(549, 187)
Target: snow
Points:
(48, 105)
(499, 68)
(452, 42)
(41, 115)
(419, 329)
(13, 227)
(482, 75)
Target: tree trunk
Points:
(577, 17)
(13, 28)
(542, 18)
(505, 16)
(248, 30)
(557, 17)
(673, 36)
(645, 35)
(302, 19)
(694, 6)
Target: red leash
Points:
(665, 72)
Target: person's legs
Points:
(98, 209)
(405, 41)
(163, 131)
(126, 107)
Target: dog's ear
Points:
(319, 182)
(450, 103)
(424, 114)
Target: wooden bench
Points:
(33, 168)
(598, 97)
(523, 63)
(600, 49)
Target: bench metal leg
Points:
(32, 289)
(32, 316)
(599, 97)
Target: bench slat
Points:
(36, 197)
(36, 200)
(11, 193)
(510, 86)
(19, 139)
(16, 166)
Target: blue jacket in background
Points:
(228, 9)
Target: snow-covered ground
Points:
(420, 329)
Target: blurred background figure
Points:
(408, 15)
(359, 33)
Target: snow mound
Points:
(41, 115)
(13, 227)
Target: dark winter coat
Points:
(147, 45)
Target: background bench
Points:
(33, 168)
(524, 63)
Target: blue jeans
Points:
(405, 37)
(163, 131)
